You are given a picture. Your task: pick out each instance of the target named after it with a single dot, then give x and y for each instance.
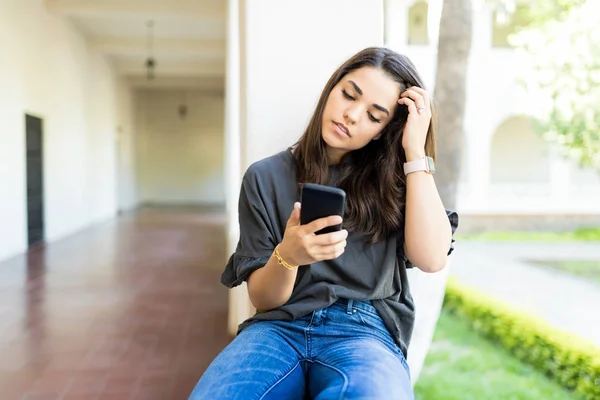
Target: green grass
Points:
(462, 365)
(582, 234)
(588, 269)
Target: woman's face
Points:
(357, 109)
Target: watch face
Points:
(431, 165)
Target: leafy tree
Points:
(559, 45)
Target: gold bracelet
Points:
(281, 261)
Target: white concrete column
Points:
(428, 290)
(232, 152)
(232, 116)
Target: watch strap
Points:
(423, 164)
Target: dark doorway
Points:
(35, 179)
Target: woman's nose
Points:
(351, 115)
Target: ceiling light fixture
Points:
(183, 107)
(150, 61)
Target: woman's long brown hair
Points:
(373, 176)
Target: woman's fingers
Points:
(418, 95)
(329, 238)
(329, 252)
(412, 109)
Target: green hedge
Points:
(563, 357)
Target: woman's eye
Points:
(373, 118)
(346, 95)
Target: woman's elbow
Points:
(262, 302)
(432, 265)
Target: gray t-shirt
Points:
(375, 272)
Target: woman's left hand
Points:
(417, 124)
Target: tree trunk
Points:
(450, 91)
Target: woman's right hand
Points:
(301, 246)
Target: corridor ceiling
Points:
(189, 38)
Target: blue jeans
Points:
(341, 352)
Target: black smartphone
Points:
(319, 201)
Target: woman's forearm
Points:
(427, 230)
(271, 286)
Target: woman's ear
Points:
(377, 136)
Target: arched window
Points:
(417, 24)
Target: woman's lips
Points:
(341, 129)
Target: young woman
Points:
(335, 314)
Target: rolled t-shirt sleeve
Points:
(452, 217)
(257, 237)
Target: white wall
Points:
(285, 72)
(179, 161)
(46, 70)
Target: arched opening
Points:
(519, 155)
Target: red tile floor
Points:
(128, 309)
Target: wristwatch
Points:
(423, 164)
